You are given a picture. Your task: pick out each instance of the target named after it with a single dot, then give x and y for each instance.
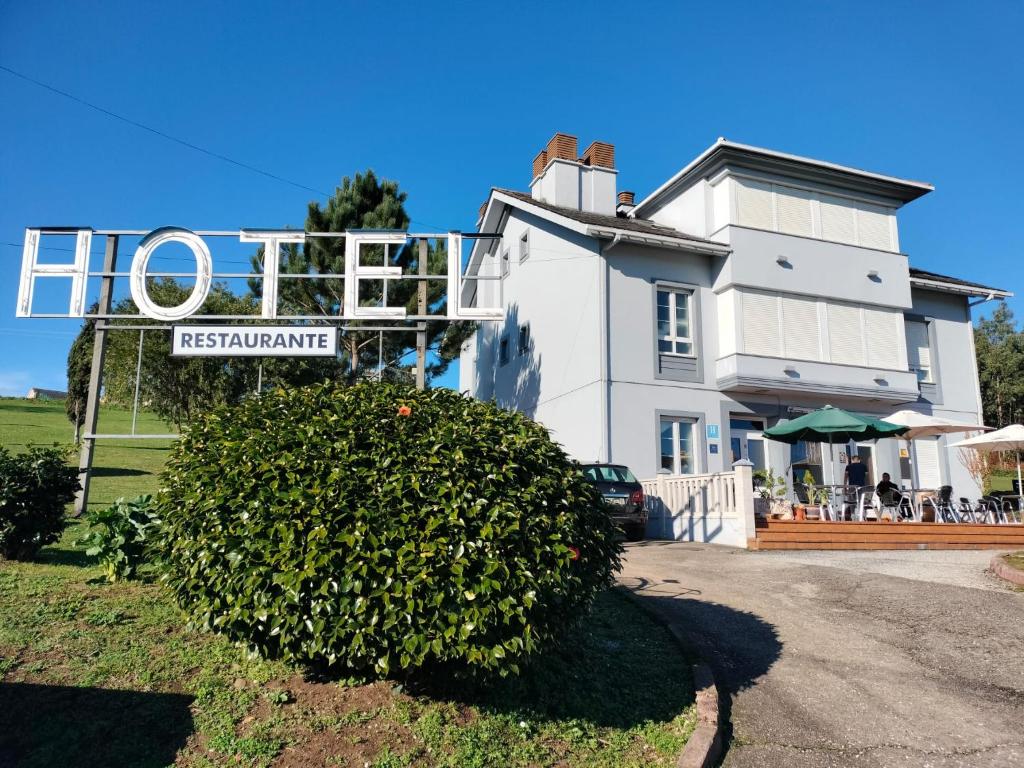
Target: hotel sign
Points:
(356, 242)
(254, 341)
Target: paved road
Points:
(849, 663)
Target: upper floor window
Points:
(504, 263)
(675, 334)
(524, 247)
(524, 340)
(919, 351)
(503, 351)
(809, 213)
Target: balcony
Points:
(757, 374)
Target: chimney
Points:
(584, 183)
(626, 203)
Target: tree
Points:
(79, 367)
(176, 388)
(364, 202)
(1000, 351)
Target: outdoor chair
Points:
(945, 510)
(867, 499)
(898, 504)
(968, 511)
(987, 510)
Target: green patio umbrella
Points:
(832, 425)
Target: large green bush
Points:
(380, 530)
(35, 486)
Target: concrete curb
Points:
(704, 746)
(1005, 571)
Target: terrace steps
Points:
(790, 534)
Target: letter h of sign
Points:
(31, 269)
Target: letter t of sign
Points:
(271, 240)
(31, 269)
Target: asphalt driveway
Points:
(849, 659)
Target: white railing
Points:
(716, 507)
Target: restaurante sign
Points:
(271, 240)
(254, 341)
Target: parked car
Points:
(623, 494)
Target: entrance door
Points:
(747, 442)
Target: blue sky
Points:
(455, 98)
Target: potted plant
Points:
(772, 491)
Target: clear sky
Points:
(452, 99)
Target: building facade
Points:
(752, 286)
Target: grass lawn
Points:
(107, 675)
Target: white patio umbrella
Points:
(922, 425)
(1009, 438)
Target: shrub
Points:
(379, 530)
(118, 535)
(35, 486)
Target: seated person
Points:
(887, 490)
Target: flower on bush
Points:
(312, 527)
(404, 410)
(35, 487)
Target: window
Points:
(504, 264)
(503, 351)
(524, 340)
(782, 208)
(801, 328)
(608, 473)
(676, 445)
(524, 247)
(674, 333)
(919, 352)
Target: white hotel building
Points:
(750, 287)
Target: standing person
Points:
(856, 472)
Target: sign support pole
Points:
(99, 350)
(421, 327)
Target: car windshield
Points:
(608, 475)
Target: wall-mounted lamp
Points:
(874, 276)
(782, 261)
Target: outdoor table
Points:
(917, 499)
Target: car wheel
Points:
(635, 532)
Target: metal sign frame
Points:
(204, 276)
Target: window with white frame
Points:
(524, 247)
(919, 351)
(676, 445)
(504, 263)
(524, 340)
(675, 328)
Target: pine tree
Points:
(79, 367)
(1000, 352)
(364, 202)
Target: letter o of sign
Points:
(204, 273)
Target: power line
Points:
(176, 140)
(160, 133)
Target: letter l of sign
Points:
(31, 269)
(271, 240)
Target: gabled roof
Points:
(601, 225)
(723, 152)
(925, 279)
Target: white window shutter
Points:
(918, 350)
(793, 207)
(800, 331)
(882, 332)
(927, 451)
(846, 338)
(837, 219)
(761, 325)
(873, 227)
(754, 204)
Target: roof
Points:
(620, 223)
(724, 151)
(934, 279)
